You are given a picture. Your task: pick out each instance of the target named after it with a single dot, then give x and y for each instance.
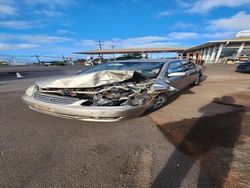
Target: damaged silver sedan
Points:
(113, 91)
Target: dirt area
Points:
(213, 129)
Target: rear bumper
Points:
(86, 113)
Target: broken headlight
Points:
(31, 90)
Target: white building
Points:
(222, 51)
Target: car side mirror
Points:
(177, 74)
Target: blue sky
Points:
(53, 27)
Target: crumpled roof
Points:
(89, 80)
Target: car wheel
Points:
(159, 101)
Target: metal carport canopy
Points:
(134, 50)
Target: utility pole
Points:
(13, 60)
(37, 57)
(100, 47)
(113, 47)
(100, 44)
(64, 58)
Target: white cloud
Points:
(30, 9)
(202, 6)
(64, 32)
(164, 13)
(7, 10)
(179, 36)
(45, 39)
(35, 38)
(183, 3)
(48, 13)
(154, 45)
(172, 39)
(88, 43)
(19, 24)
(5, 46)
(237, 22)
(143, 40)
(183, 35)
(6, 37)
(182, 25)
(7, 2)
(51, 3)
(137, 42)
(218, 35)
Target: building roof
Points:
(144, 60)
(133, 50)
(233, 40)
(216, 42)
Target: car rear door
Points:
(178, 82)
(191, 71)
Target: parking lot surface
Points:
(176, 146)
(210, 123)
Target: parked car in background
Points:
(113, 91)
(243, 67)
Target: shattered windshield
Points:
(148, 69)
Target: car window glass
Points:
(148, 69)
(188, 65)
(175, 67)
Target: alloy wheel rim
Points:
(160, 100)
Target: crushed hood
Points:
(87, 80)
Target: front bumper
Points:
(86, 113)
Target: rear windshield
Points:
(148, 69)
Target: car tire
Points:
(159, 101)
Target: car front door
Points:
(178, 82)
